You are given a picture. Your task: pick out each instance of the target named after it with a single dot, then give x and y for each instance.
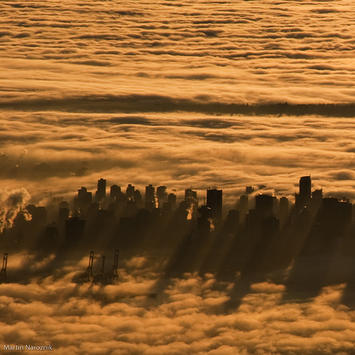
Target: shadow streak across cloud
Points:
(156, 103)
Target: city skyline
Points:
(156, 197)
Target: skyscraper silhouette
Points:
(115, 192)
(305, 186)
(150, 197)
(303, 198)
(161, 195)
(264, 205)
(214, 202)
(101, 190)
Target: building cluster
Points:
(106, 214)
(261, 232)
(156, 200)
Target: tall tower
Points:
(89, 270)
(115, 192)
(161, 195)
(115, 265)
(83, 200)
(101, 190)
(3, 272)
(264, 205)
(171, 201)
(150, 197)
(130, 192)
(305, 186)
(191, 203)
(303, 198)
(283, 210)
(214, 202)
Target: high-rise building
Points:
(283, 210)
(204, 220)
(191, 203)
(335, 211)
(170, 204)
(303, 198)
(317, 195)
(115, 192)
(305, 186)
(83, 200)
(243, 205)
(214, 202)
(232, 221)
(101, 190)
(150, 197)
(172, 201)
(190, 195)
(137, 198)
(130, 192)
(161, 195)
(264, 205)
(63, 214)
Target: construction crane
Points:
(89, 271)
(101, 277)
(115, 265)
(3, 275)
(103, 258)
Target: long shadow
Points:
(222, 242)
(316, 263)
(348, 253)
(262, 237)
(187, 256)
(176, 265)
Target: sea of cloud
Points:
(92, 89)
(186, 316)
(296, 51)
(108, 88)
(68, 150)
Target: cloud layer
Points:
(186, 317)
(68, 150)
(182, 94)
(99, 89)
(227, 51)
